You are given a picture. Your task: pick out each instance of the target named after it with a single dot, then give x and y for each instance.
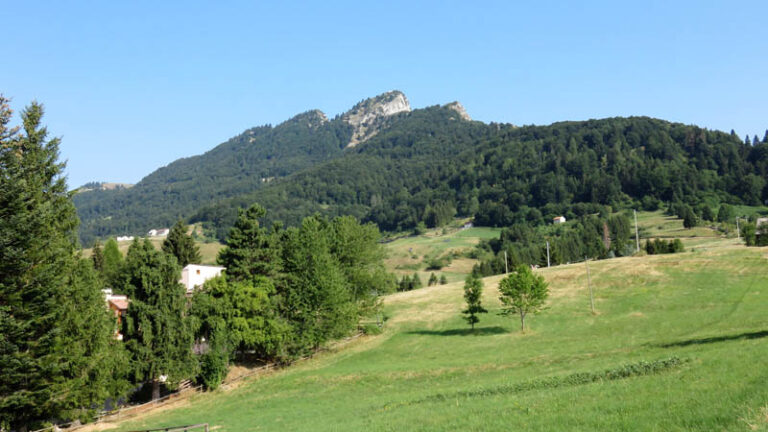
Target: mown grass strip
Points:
(640, 368)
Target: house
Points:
(118, 304)
(558, 220)
(467, 225)
(124, 238)
(761, 221)
(162, 232)
(194, 275)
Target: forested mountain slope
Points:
(431, 164)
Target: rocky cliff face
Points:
(459, 108)
(368, 116)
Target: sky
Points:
(131, 86)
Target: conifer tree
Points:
(443, 280)
(97, 257)
(473, 292)
(416, 282)
(157, 332)
(432, 280)
(182, 246)
(251, 250)
(113, 263)
(52, 362)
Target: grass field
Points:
(699, 318)
(208, 251)
(409, 255)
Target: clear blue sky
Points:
(133, 85)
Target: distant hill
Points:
(397, 167)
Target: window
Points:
(198, 271)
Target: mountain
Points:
(397, 167)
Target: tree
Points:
(432, 280)
(725, 213)
(416, 282)
(473, 292)
(158, 333)
(251, 250)
(113, 263)
(707, 214)
(689, 218)
(182, 246)
(97, 257)
(55, 333)
(443, 280)
(522, 292)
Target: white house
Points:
(162, 232)
(194, 275)
(558, 219)
(124, 238)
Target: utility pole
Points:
(637, 235)
(589, 285)
(738, 231)
(547, 253)
(506, 266)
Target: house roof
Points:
(119, 303)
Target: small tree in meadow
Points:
(522, 292)
(473, 291)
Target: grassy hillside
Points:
(706, 308)
(208, 251)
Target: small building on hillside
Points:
(194, 275)
(467, 225)
(162, 232)
(558, 220)
(118, 304)
(124, 238)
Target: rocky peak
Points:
(368, 116)
(312, 119)
(459, 108)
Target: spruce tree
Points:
(52, 361)
(113, 263)
(432, 280)
(157, 332)
(473, 292)
(251, 250)
(97, 257)
(182, 246)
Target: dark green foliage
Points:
(762, 235)
(113, 263)
(251, 250)
(473, 293)
(158, 333)
(405, 284)
(689, 217)
(522, 292)
(725, 213)
(569, 242)
(443, 280)
(432, 280)
(749, 233)
(707, 214)
(214, 363)
(426, 163)
(97, 257)
(180, 245)
(57, 356)
(416, 281)
(660, 246)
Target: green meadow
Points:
(677, 343)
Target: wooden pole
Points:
(589, 285)
(738, 231)
(547, 253)
(637, 235)
(506, 266)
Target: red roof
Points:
(120, 304)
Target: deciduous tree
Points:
(523, 292)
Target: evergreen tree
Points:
(689, 217)
(765, 137)
(443, 280)
(725, 213)
(54, 329)
(113, 263)
(707, 214)
(157, 332)
(416, 282)
(432, 280)
(522, 292)
(747, 142)
(251, 250)
(97, 257)
(473, 292)
(182, 246)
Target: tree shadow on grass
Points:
(480, 331)
(715, 339)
